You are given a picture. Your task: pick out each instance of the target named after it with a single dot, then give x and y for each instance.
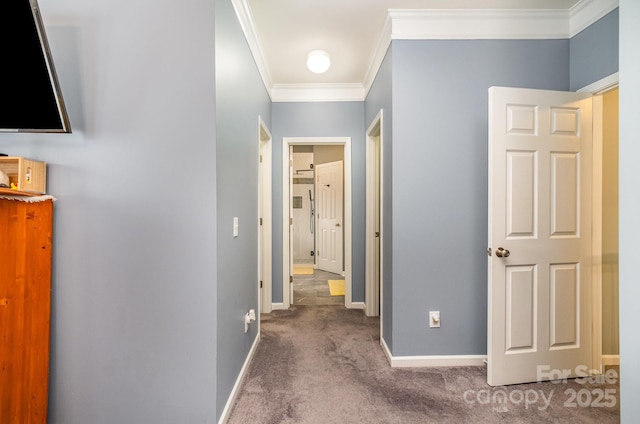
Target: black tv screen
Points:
(30, 96)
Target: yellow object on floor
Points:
(303, 269)
(336, 287)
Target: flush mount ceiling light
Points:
(318, 61)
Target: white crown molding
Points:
(243, 11)
(479, 24)
(379, 53)
(317, 93)
(429, 25)
(586, 12)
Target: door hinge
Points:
(291, 278)
(290, 221)
(260, 283)
(260, 221)
(260, 158)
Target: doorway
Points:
(303, 214)
(606, 328)
(317, 205)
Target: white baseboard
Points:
(236, 387)
(357, 305)
(386, 350)
(277, 306)
(432, 360)
(610, 359)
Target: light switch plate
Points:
(236, 227)
(434, 319)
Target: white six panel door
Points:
(539, 299)
(329, 206)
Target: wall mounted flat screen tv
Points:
(30, 96)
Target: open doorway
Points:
(317, 211)
(317, 227)
(606, 233)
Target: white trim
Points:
(610, 359)
(371, 297)
(318, 93)
(386, 350)
(348, 222)
(438, 361)
(358, 305)
(379, 53)
(278, 307)
(596, 231)
(245, 17)
(428, 24)
(264, 200)
(605, 84)
(586, 12)
(599, 87)
(428, 361)
(236, 387)
(471, 24)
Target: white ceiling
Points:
(282, 32)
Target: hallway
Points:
(324, 364)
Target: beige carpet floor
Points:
(324, 364)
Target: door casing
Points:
(264, 221)
(373, 265)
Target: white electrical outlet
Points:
(434, 319)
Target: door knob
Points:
(502, 253)
(338, 224)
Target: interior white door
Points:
(539, 277)
(329, 206)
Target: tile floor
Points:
(314, 289)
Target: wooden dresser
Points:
(25, 294)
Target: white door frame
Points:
(264, 216)
(373, 298)
(608, 83)
(287, 142)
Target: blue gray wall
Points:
(440, 181)
(240, 97)
(629, 210)
(380, 97)
(594, 51)
(321, 119)
(134, 262)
